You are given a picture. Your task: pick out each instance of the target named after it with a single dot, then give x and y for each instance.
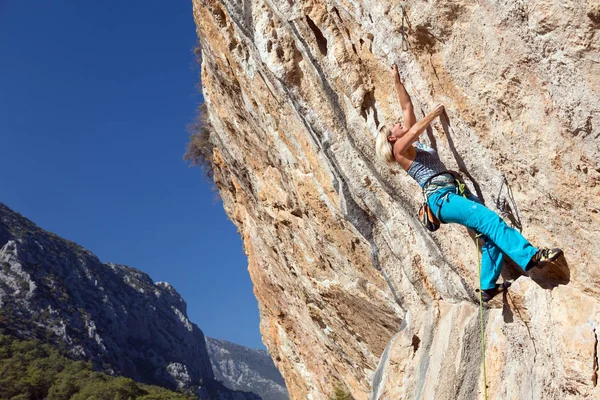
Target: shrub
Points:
(340, 394)
(200, 149)
(198, 53)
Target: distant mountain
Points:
(117, 317)
(242, 368)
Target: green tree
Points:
(30, 370)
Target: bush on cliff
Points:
(200, 149)
(341, 394)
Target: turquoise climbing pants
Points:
(499, 238)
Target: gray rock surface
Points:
(243, 368)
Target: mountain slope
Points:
(242, 368)
(116, 316)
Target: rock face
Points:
(116, 316)
(296, 91)
(242, 368)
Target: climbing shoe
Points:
(545, 255)
(488, 294)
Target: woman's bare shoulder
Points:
(406, 158)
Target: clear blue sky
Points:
(94, 100)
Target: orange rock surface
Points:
(296, 91)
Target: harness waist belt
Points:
(437, 182)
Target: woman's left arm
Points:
(406, 141)
(405, 101)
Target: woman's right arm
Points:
(419, 127)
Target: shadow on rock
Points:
(525, 317)
(507, 313)
(511, 271)
(552, 274)
(445, 120)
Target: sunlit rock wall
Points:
(296, 91)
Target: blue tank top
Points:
(426, 164)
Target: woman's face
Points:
(397, 131)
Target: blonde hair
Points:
(383, 148)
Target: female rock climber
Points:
(400, 144)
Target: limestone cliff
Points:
(295, 91)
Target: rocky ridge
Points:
(352, 291)
(246, 369)
(111, 314)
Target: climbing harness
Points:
(436, 182)
(427, 218)
(404, 41)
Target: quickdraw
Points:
(506, 210)
(404, 41)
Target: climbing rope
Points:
(404, 41)
(481, 319)
(461, 188)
